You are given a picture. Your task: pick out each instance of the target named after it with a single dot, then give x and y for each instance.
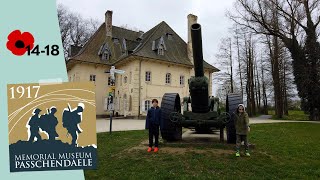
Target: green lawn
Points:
(283, 150)
(293, 115)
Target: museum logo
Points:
(47, 132)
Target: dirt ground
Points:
(194, 143)
(184, 147)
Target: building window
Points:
(121, 80)
(130, 77)
(161, 50)
(104, 52)
(148, 76)
(181, 80)
(93, 78)
(147, 105)
(106, 55)
(124, 46)
(169, 35)
(115, 40)
(110, 82)
(168, 78)
(125, 79)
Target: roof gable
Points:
(132, 43)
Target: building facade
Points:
(155, 62)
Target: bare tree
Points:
(297, 27)
(75, 30)
(65, 26)
(237, 37)
(225, 58)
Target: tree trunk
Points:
(248, 54)
(264, 94)
(253, 103)
(238, 49)
(276, 79)
(285, 95)
(258, 87)
(231, 66)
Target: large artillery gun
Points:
(204, 114)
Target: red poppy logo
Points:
(18, 42)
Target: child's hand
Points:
(248, 129)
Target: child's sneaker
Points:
(247, 153)
(237, 154)
(156, 149)
(149, 149)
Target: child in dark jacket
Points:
(242, 129)
(153, 121)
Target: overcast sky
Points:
(145, 14)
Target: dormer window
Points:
(104, 52)
(124, 46)
(159, 46)
(106, 55)
(154, 46)
(115, 40)
(169, 36)
(161, 50)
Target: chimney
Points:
(108, 21)
(192, 19)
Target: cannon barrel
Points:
(198, 85)
(197, 49)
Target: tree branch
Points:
(317, 23)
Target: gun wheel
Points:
(170, 105)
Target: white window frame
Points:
(148, 76)
(168, 78)
(109, 81)
(182, 80)
(106, 55)
(147, 105)
(93, 77)
(161, 50)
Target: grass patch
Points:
(293, 115)
(283, 151)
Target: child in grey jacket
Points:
(242, 129)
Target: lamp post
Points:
(111, 93)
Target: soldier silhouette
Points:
(71, 120)
(34, 125)
(49, 123)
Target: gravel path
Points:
(103, 125)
